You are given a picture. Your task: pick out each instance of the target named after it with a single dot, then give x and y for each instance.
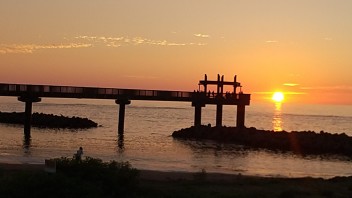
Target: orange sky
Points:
(302, 47)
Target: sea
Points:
(147, 142)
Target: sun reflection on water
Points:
(277, 118)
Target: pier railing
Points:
(91, 92)
(116, 93)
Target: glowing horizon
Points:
(171, 45)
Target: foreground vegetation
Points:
(74, 178)
(93, 178)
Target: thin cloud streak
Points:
(290, 84)
(285, 92)
(135, 41)
(201, 35)
(31, 48)
(271, 41)
(140, 77)
(90, 41)
(340, 88)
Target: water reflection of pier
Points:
(277, 118)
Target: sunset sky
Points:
(300, 47)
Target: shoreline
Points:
(154, 183)
(152, 175)
(160, 175)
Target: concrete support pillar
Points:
(122, 103)
(219, 115)
(120, 142)
(28, 100)
(198, 113)
(27, 118)
(240, 116)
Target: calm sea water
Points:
(147, 141)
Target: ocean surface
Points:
(147, 141)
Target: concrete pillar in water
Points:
(122, 103)
(198, 113)
(28, 100)
(219, 115)
(240, 115)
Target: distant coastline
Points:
(42, 120)
(302, 142)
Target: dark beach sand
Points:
(202, 184)
(188, 184)
(174, 176)
(153, 175)
(29, 167)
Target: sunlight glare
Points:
(278, 97)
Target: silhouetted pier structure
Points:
(33, 93)
(219, 98)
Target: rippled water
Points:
(147, 141)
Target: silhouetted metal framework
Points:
(220, 98)
(220, 84)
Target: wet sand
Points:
(155, 175)
(144, 174)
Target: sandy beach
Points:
(153, 175)
(156, 175)
(202, 184)
(29, 167)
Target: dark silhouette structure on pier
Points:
(33, 93)
(201, 98)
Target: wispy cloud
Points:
(127, 41)
(107, 41)
(294, 93)
(262, 92)
(202, 35)
(285, 92)
(271, 41)
(31, 48)
(140, 77)
(91, 41)
(290, 84)
(345, 88)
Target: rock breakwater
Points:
(299, 142)
(48, 120)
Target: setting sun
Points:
(278, 97)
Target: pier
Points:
(30, 94)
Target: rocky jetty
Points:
(302, 142)
(48, 120)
